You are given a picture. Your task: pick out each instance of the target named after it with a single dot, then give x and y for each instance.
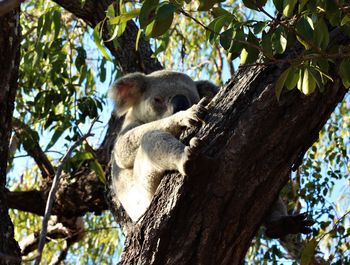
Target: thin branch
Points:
(52, 193)
(23, 131)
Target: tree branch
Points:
(29, 201)
(52, 193)
(32, 147)
(255, 140)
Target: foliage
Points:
(306, 22)
(61, 73)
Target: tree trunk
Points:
(9, 58)
(255, 140)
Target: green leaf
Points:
(344, 72)
(125, 17)
(280, 82)
(292, 78)
(279, 40)
(259, 27)
(321, 34)
(288, 7)
(57, 22)
(308, 252)
(308, 84)
(215, 27)
(149, 28)
(254, 4)
(81, 57)
(345, 20)
(57, 134)
(226, 38)
(205, 5)
(266, 43)
(317, 77)
(278, 4)
(236, 44)
(103, 70)
(99, 42)
(302, 3)
(110, 11)
(250, 54)
(219, 11)
(333, 13)
(47, 23)
(163, 20)
(300, 79)
(138, 39)
(82, 156)
(96, 166)
(304, 28)
(148, 12)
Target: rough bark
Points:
(211, 218)
(9, 58)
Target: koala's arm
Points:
(129, 140)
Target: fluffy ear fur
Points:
(127, 91)
(206, 89)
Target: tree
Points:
(257, 130)
(9, 28)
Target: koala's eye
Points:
(158, 100)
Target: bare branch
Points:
(33, 149)
(29, 201)
(52, 193)
(69, 229)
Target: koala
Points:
(157, 107)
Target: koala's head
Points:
(158, 95)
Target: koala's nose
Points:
(180, 102)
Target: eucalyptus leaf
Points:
(280, 82)
(344, 72)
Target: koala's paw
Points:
(291, 224)
(195, 115)
(193, 161)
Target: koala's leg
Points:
(134, 199)
(159, 151)
(279, 224)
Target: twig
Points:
(52, 193)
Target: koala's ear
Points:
(127, 91)
(206, 89)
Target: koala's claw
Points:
(291, 224)
(195, 115)
(194, 162)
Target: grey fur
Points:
(148, 143)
